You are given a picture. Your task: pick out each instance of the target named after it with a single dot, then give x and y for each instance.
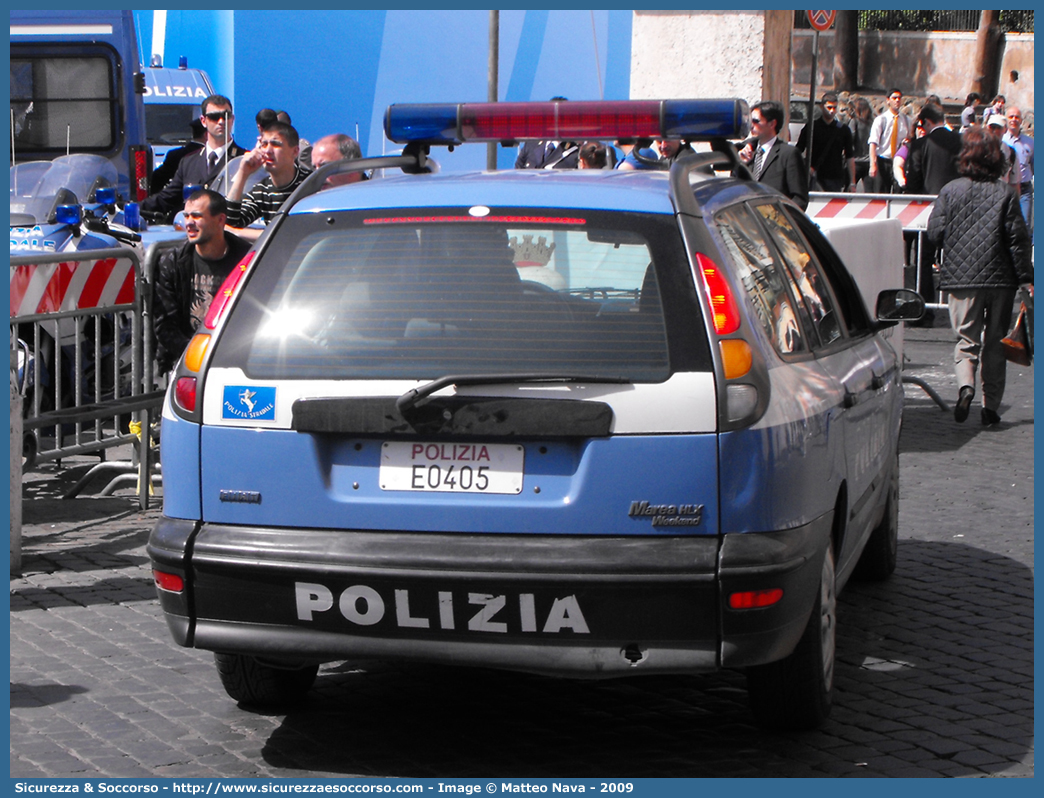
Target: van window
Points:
(417, 294)
(64, 102)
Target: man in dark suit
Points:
(932, 160)
(930, 165)
(770, 160)
(548, 155)
(201, 168)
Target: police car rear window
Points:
(421, 294)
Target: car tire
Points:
(877, 562)
(251, 682)
(797, 692)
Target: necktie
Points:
(759, 159)
(212, 160)
(548, 149)
(895, 136)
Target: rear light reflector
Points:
(741, 401)
(195, 351)
(725, 311)
(185, 393)
(755, 599)
(223, 298)
(736, 357)
(172, 583)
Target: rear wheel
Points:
(252, 682)
(878, 559)
(797, 692)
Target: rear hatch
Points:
(560, 373)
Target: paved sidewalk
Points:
(934, 674)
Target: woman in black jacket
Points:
(986, 257)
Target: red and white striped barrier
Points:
(911, 211)
(56, 287)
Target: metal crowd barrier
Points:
(912, 210)
(71, 316)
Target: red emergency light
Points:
(457, 123)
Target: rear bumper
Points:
(572, 606)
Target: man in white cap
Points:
(996, 125)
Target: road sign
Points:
(821, 20)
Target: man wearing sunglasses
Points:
(770, 161)
(202, 168)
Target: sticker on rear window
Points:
(248, 403)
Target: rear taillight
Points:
(223, 298)
(726, 317)
(185, 393)
(139, 156)
(755, 599)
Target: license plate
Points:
(452, 467)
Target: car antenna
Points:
(228, 141)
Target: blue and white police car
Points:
(579, 423)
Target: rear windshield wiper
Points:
(409, 399)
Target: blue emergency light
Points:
(105, 196)
(457, 123)
(68, 214)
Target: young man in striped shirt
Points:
(276, 153)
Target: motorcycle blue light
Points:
(68, 214)
(105, 196)
(449, 123)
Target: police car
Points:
(578, 423)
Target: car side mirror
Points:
(899, 304)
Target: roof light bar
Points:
(457, 123)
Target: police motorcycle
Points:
(65, 205)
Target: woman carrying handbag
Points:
(986, 257)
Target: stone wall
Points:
(697, 54)
(919, 63)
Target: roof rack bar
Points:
(723, 153)
(409, 162)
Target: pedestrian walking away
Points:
(986, 257)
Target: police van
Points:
(76, 87)
(584, 423)
(172, 102)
